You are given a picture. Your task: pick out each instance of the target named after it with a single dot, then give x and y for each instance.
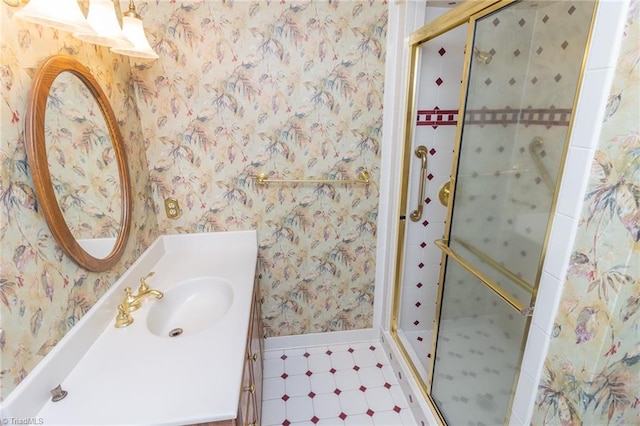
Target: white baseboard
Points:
(321, 339)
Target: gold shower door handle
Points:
(445, 193)
(421, 153)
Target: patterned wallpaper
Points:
(592, 371)
(292, 89)
(86, 185)
(42, 292)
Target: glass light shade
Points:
(63, 15)
(102, 18)
(133, 30)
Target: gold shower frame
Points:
(468, 12)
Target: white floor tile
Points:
(326, 405)
(297, 386)
(294, 365)
(347, 380)
(365, 358)
(342, 360)
(353, 402)
(333, 421)
(299, 409)
(359, 420)
(321, 387)
(273, 412)
(319, 362)
(322, 383)
(371, 377)
(272, 388)
(380, 399)
(387, 418)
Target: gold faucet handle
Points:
(131, 303)
(123, 318)
(144, 287)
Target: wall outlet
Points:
(172, 208)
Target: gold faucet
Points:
(132, 301)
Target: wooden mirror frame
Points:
(37, 155)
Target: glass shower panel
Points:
(478, 351)
(523, 76)
(440, 64)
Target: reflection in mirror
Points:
(79, 166)
(82, 164)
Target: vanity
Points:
(192, 356)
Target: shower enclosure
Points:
(491, 97)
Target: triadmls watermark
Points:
(22, 421)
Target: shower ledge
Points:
(132, 376)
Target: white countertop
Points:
(131, 376)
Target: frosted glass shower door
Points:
(437, 98)
(525, 65)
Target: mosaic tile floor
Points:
(348, 384)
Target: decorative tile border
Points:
(437, 117)
(530, 116)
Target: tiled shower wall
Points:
(439, 89)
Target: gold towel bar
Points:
(363, 177)
(495, 265)
(535, 144)
(497, 289)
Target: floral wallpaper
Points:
(74, 123)
(592, 371)
(42, 292)
(291, 89)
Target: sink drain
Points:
(175, 332)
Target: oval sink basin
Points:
(190, 307)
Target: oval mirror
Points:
(78, 163)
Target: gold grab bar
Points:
(537, 160)
(363, 177)
(495, 265)
(421, 153)
(511, 301)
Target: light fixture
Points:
(15, 3)
(64, 15)
(134, 31)
(102, 18)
